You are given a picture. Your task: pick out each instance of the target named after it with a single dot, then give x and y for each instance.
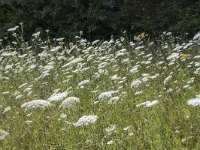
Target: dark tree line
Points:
(100, 18)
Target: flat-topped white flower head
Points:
(83, 83)
(36, 104)
(58, 96)
(197, 36)
(72, 62)
(3, 134)
(194, 101)
(148, 103)
(173, 56)
(86, 120)
(105, 95)
(136, 83)
(69, 102)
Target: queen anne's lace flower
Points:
(58, 96)
(148, 103)
(105, 95)
(3, 134)
(194, 101)
(36, 104)
(86, 120)
(69, 102)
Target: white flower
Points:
(194, 101)
(7, 109)
(110, 142)
(16, 93)
(6, 93)
(13, 29)
(74, 61)
(83, 83)
(86, 120)
(23, 85)
(115, 77)
(114, 100)
(138, 92)
(139, 47)
(136, 83)
(37, 34)
(134, 69)
(119, 54)
(62, 58)
(169, 33)
(130, 134)
(60, 39)
(197, 36)
(3, 134)
(36, 104)
(111, 129)
(95, 42)
(167, 79)
(63, 115)
(27, 90)
(31, 67)
(105, 95)
(102, 65)
(127, 128)
(148, 103)
(173, 56)
(18, 96)
(43, 54)
(197, 57)
(28, 122)
(69, 102)
(58, 96)
(55, 49)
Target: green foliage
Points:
(100, 18)
(157, 16)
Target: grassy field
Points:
(115, 94)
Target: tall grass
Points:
(134, 94)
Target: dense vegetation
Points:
(100, 18)
(127, 91)
(115, 94)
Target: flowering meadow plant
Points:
(115, 94)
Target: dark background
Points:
(100, 18)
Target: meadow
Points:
(114, 94)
